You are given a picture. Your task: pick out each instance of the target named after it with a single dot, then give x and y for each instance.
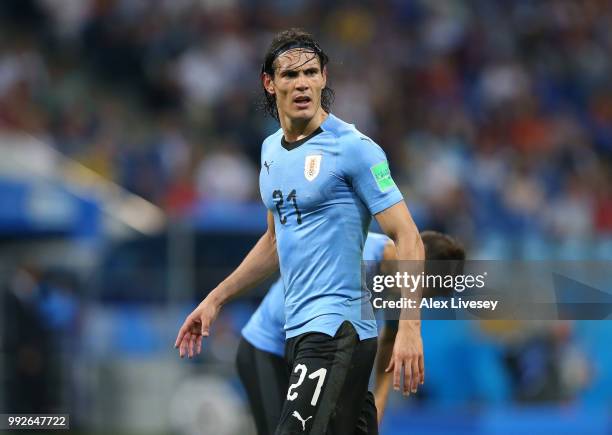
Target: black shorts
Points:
(328, 385)
(265, 377)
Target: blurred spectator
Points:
(226, 176)
(542, 360)
(26, 346)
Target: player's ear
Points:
(268, 83)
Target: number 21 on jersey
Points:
(277, 196)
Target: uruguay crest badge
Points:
(312, 165)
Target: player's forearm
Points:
(409, 244)
(410, 247)
(259, 264)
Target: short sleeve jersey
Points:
(265, 328)
(323, 191)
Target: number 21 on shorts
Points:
(320, 374)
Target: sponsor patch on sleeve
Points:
(382, 175)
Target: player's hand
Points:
(195, 327)
(408, 353)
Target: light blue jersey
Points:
(323, 191)
(265, 328)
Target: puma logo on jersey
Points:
(267, 165)
(299, 417)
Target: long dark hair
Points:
(287, 40)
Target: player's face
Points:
(297, 84)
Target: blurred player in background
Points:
(321, 180)
(445, 256)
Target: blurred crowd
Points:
(496, 116)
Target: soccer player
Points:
(260, 362)
(321, 180)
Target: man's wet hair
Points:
(444, 256)
(287, 40)
(440, 246)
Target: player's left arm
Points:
(367, 170)
(398, 225)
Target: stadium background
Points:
(129, 144)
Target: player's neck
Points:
(296, 129)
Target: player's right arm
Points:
(259, 264)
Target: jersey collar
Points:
(293, 145)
